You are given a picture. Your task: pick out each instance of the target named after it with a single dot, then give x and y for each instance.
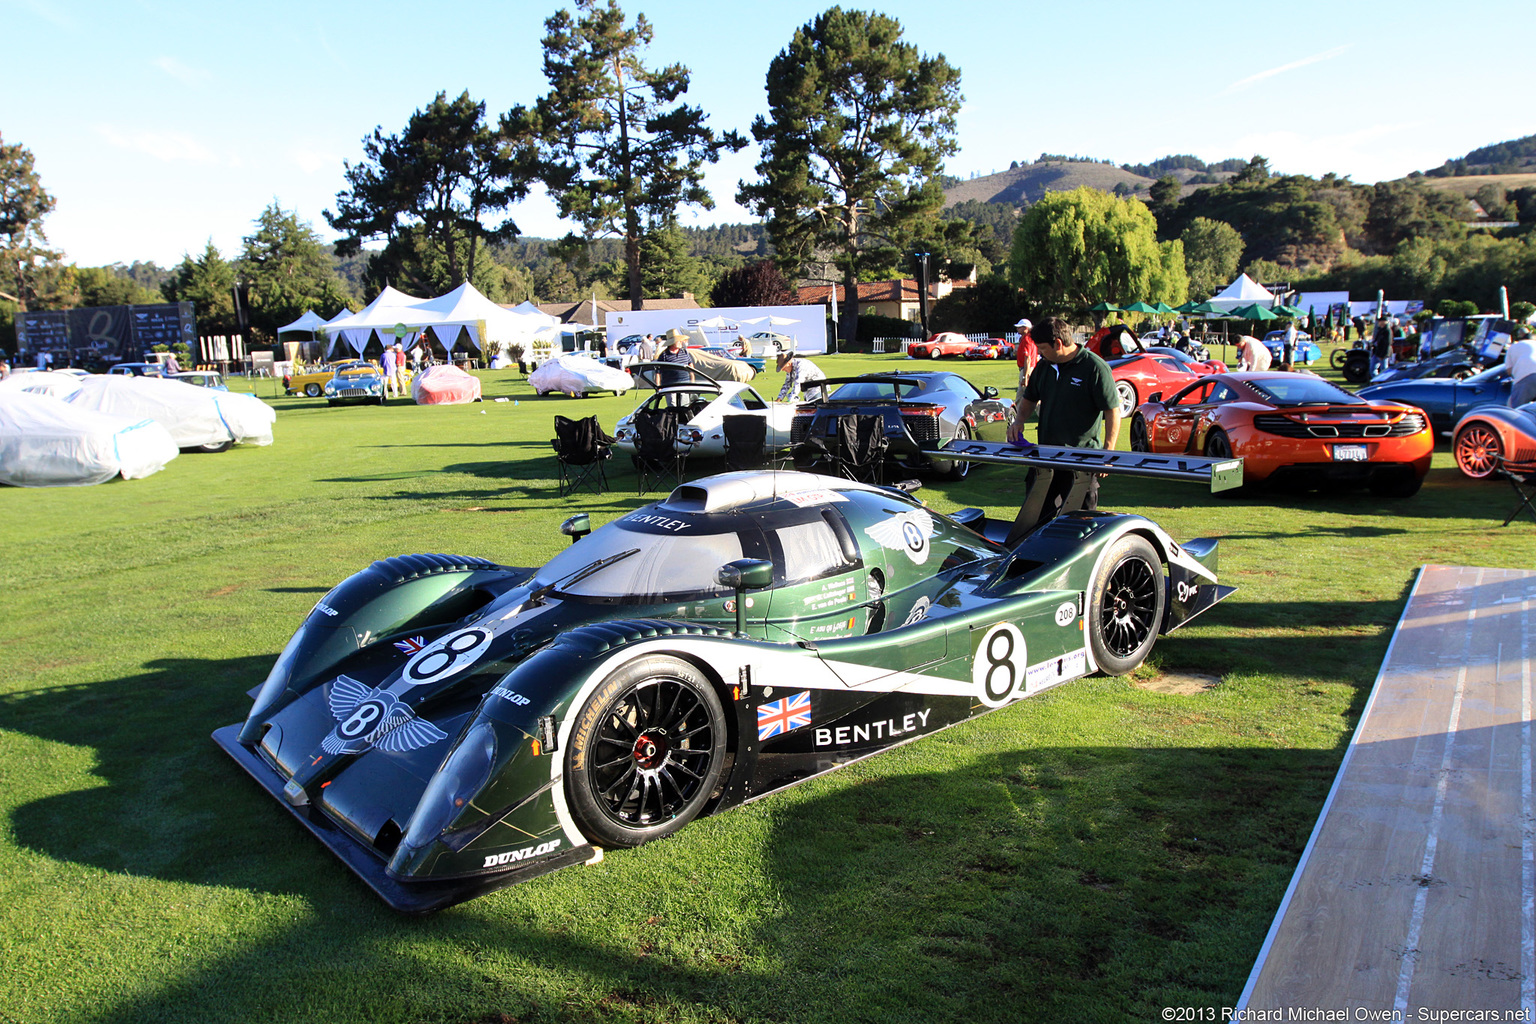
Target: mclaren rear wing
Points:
(1219, 474)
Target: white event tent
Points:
(309, 323)
(1242, 292)
(461, 318)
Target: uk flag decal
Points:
(784, 714)
(412, 645)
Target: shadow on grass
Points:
(1059, 876)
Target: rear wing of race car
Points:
(1219, 474)
(1083, 464)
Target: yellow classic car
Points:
(312, 383)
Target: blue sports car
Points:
(1444, 399)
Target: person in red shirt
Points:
(1027, 353)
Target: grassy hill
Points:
(1468, 184)
(1028, 182)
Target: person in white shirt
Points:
(799, 373)
(1520, 357)
(1252, 354)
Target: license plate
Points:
(1350, 453)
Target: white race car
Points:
(705, 403)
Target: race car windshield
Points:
(662, 567)
(1303, 390)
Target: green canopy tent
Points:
(1163, 307)
(1140, 307)
(1254, 311)
(1105, 307)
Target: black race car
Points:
(922, 411)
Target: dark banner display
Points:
(165, 324)
(104, 331)
(98, 335)
(44, 331)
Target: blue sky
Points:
(160, 124)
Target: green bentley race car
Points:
(448, 726)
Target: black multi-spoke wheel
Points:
(646, 752)
(1126, 607)
(1141, 438)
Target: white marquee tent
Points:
(309, 323)
(1241, 292)
(462, 317)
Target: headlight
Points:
(463, 774)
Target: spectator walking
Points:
(1381, 345)
(389, 372)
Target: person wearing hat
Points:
(676, 351)
(799, 372)
(1027, 354)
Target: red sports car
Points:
(1293, 426)
(945, 343)
(992, 348)
(1138, 376)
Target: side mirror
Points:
(989, 392)
(1156, 396)
(576, 527)
(743, 575)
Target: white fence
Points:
(887, 345)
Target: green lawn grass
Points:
(1092, 854)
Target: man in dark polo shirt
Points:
(1075, 394)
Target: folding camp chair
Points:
(1522, 477)
(659, 454)
(746, 443)
(581, 449)
(861, 447)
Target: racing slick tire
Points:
(1141, 438)
(954, 469)
(646, 752)
(311, 390)
(1478, 450)
(1125, 605)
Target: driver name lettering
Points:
(889, 728)
(663, 522)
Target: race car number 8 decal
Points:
(997, 665)
(446, 656)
